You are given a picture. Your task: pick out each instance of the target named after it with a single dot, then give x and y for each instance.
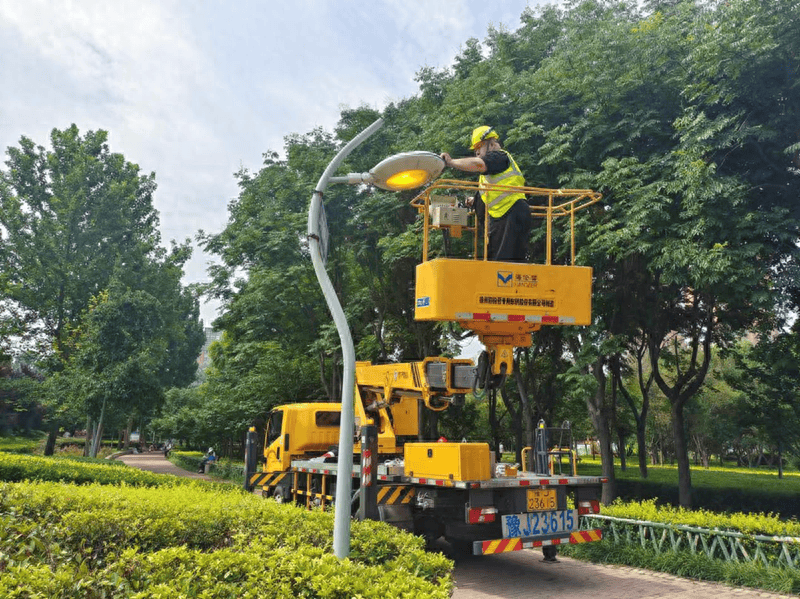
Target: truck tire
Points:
(281, 495)
(428, 527)
(461, 548)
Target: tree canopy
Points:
(682, 113)
(85, 281)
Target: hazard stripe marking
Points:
(504, 545)
(585, 536)
(395, 495)
(501, 546)
(266, 479)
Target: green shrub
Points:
(20, 444)
(188, 460)
(15, 468)
(197, 540)
(697, 565)
(757, 524)
(221, 469)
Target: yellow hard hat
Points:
(482, 133)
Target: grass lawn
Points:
(716, 488)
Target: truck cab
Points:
(298, 431)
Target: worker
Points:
(509, 213)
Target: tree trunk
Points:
(641, 444)
(98, 435)
(640, 416)
(493, 423)
(526, 414)
(128, 433)
(607, 461)
(623, 464)
(50, 446)
(87, 448)
(682, 456)
(598, 412)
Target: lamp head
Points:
(408, 170)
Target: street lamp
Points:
(400, 172)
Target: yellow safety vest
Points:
(497, 201)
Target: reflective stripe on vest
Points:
(498, 202)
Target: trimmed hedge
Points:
(20, 444)
(754, 495)
(18, 467)
(197, 540)
(756, 524)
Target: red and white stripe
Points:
(495, 317)
(366, 468)
(505, 483)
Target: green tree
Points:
(67, 215)
(682, 113)
(181, 417)
(770, 378)
(75, 221)
(115, 356)
(612, 115)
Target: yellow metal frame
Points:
(554, 456)
(387, 387)
(560, 203)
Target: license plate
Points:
(540, 500)
(539, 523)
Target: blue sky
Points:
(194, 91)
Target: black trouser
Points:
(509, 235)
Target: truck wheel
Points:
(461, 548)
(429, 528)
(280, 495)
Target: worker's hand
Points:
(446, 157)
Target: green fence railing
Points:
(716, 544)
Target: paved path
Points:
(523, 574)
(154, 461)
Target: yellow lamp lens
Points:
(407, 179)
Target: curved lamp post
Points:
(401, 172)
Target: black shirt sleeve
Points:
(496, 162)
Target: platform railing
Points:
(548, 204)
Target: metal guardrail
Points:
(715, 543)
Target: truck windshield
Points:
(274, 427)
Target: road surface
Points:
(522, 574)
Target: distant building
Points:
(204, 360)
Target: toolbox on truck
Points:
(449, 461)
